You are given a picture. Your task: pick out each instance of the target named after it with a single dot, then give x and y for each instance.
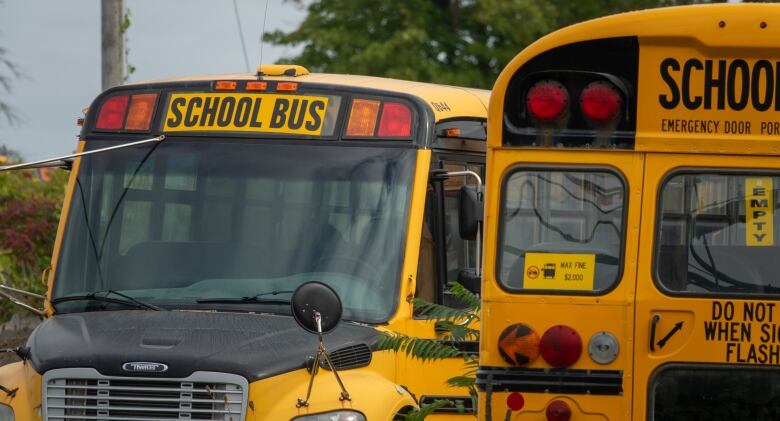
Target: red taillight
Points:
(600, 102)
(561, 346)
(112, 113)
(396, 120)
(547, 100)
(515, 401)
(558, 411)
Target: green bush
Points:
(30, 206)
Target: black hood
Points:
(255, 346)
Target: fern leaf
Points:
(420, 348)
(464, 295)
(438, 311)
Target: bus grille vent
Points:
(202, 396)
(352, 356)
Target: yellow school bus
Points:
(197, 206)
(631, 251)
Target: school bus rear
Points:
(630, 221)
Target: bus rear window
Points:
(561, 230)
(715, 393)
(718, 234)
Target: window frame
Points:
(591, 168)
(746, 172)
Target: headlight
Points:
(7, 413)
(332, 416)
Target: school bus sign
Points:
(263, 113)
(696, 95)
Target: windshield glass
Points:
(204, 220)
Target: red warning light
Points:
(547, 100)
(112, 113)
(600, 102)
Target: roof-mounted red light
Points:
(547, 100)
(561, 346)
(112, 113)
(396, 120)
(600, 102)
(558, 410)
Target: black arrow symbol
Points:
(665, 339)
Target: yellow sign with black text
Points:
(726, 96)
(261, 113)
(559, 271)
(759, 212)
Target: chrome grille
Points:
(85, 394)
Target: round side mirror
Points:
(315, 297)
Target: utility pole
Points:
(112, 46)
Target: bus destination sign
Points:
(260, 113)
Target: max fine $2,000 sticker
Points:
(559, 271)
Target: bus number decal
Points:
(759, 212)
(559, 271)
(440, 106)
(264, 113)
(748, 331)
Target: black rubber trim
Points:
(539, 380)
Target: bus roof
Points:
(691, 40)
(445, 101)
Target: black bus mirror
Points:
(470, 212)
(316, 307)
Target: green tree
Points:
(459, 42)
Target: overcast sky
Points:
(57, 45)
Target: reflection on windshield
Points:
(208, 219)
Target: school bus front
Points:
(177, 256)
(631, 240)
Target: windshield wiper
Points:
(124, 300)
(253, 299)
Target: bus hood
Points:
(254, 346)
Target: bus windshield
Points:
(222, 222)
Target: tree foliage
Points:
(459, 42)
(30, 206)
